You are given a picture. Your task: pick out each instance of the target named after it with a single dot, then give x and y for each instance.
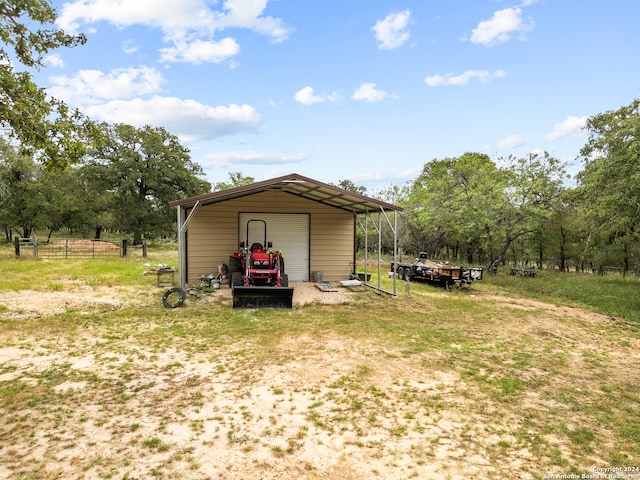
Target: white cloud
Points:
(168, 15)
(512, 141)
(570, 126)
(248, 14)
(391, 32)
(91, 86)
(110, 97)
(54, 60)
(130, 46)
(188, 26)
(250, 157)
(199, 51)
(333, 97)
(188, 119)
(500, 27)
(460, 80)
(306, 96)
(369, 93)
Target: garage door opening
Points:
(287, 232)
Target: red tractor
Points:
(257, 276)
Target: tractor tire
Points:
(174, 297)
(236, 279)
(407, 274)
(235, 265)
(284, 280)
(281, 265)
(400, 273)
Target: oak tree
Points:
(42, 125)
(141, 170)
(609, 182)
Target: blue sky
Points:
(362, 90)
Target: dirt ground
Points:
(339, 410)
(33, 304)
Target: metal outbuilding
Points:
(312, 223)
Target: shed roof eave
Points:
(297, 185)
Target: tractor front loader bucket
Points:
(262, 297)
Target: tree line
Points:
(59, 170)
(528, 211)
(124, 183)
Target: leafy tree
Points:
(454, 203)
(555, 239)
(92, 184)
(352, 187)
(66, 202)
(41, 124)
(397, 195)
(468, 207)
(18, 174)
(535, 185)
(142, 170)
(35, 198)
(236, 179)
(608, 185)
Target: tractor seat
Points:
(256, 246)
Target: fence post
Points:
(16, 241)
(144, 248)
(124, 247)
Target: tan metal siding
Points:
(213, 233)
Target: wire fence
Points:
(600, 269)
(73, 248)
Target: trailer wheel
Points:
(407, 274)
(174, 297)
(400, 272)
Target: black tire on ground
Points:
(284, 280)
(400, 272)
(236, 279)
(174, 297)
(407, 274)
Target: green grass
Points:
(27, 273)
(611, 295)
(427, 369)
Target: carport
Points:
(315, 220)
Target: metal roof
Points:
(298, 185)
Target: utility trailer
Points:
(256, 274)
(443, 274)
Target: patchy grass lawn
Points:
(473, 383)
(610, 294)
